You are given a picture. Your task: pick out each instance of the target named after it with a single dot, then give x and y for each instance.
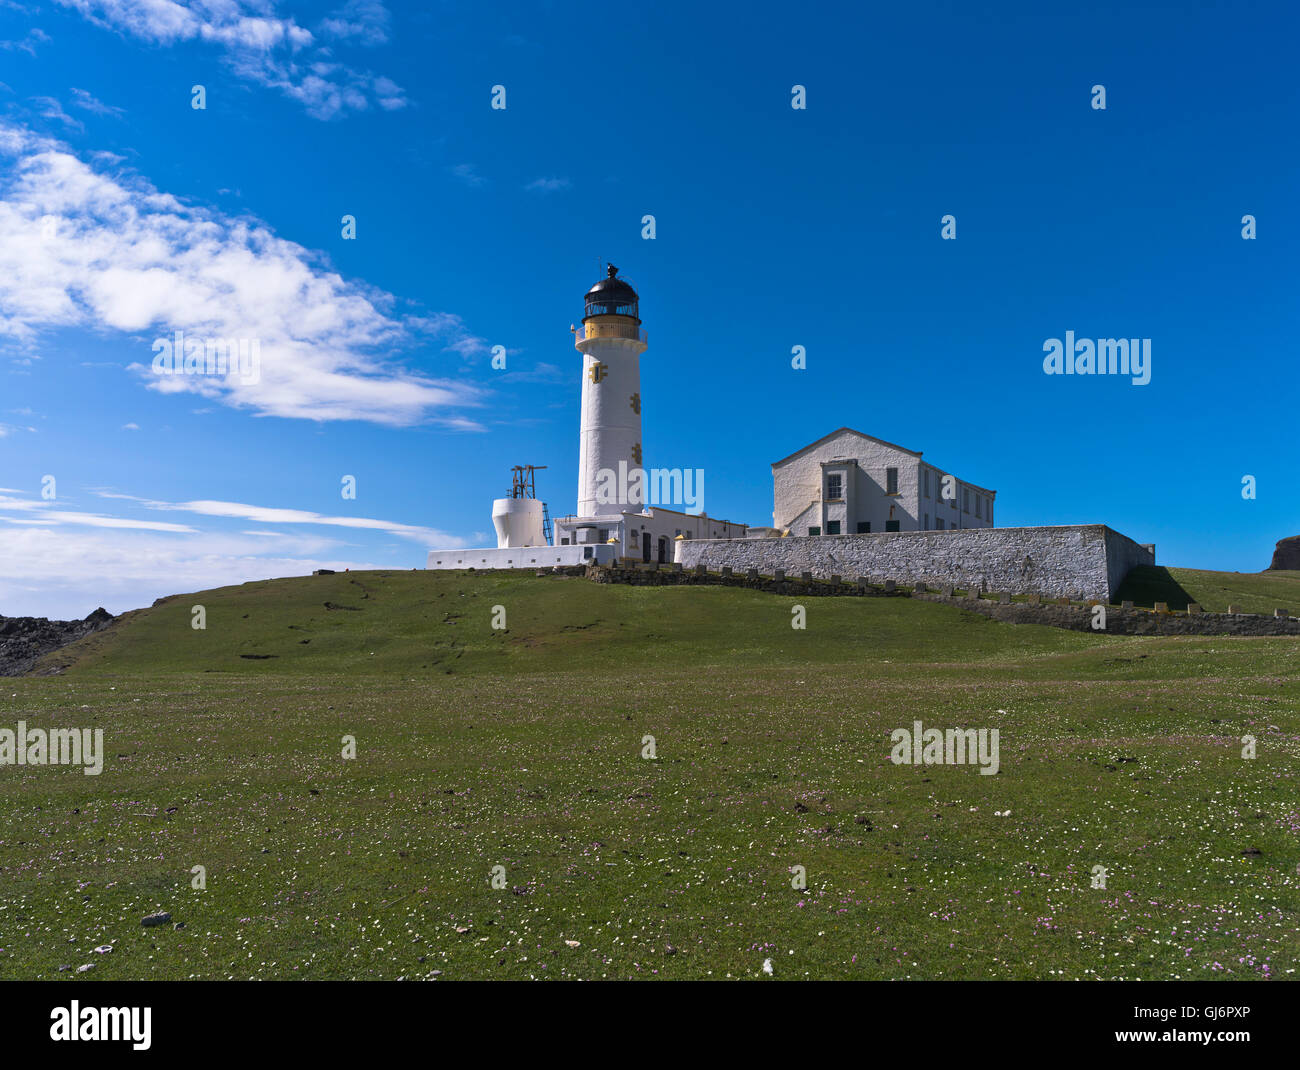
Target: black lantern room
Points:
(612, 296)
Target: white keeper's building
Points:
(848, 483)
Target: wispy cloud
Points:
(41, 512)
(67, 573)
(89, 102)
(274, 515)
(261, 46)
(550, 184)
(367, 22)
(82, 247)
(468, 174)
(61, 562)
(51, 109)
(34, 37)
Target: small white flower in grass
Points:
(767, 966)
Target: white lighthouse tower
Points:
(611, 341)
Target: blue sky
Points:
(775, 227)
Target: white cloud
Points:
(272, 515)
(82, 247)
(28, 44)
(49, 108)
(46, 513)
(468, 174)
(66, 574)
(367, 22)
(548, 185)
(89, 102)
(61, 563)
(261, 46)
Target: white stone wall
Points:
(1075, 562)
(521, 557)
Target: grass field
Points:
(522, 748)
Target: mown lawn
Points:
(522, 748)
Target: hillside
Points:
(422, 622)
(523, 749)
(431, 623)
(1248, 592)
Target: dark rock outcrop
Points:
(1286, 556)
(25, 640)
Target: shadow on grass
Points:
(1148, 584)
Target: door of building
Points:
(663, 551)
(645, 547)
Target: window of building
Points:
(864, 527)
(978, 505)
(891, 480)
(832, 527)
(965, 500)
(602, 534)
(814, 531)
(834, 487)
(891, 525)
(927, 522)
(938, 523)
(564, 541)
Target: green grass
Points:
(1247, 592)
(522, 748)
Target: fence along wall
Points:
(1087, 561)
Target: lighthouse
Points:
(611, 341)
(624, 509)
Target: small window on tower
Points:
(834, 487)
(832, 527)
(891, 480)
(814, 531)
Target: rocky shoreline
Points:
(25, 640)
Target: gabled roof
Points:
(880, 441)
(826, 438)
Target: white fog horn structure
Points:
(521, 520)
